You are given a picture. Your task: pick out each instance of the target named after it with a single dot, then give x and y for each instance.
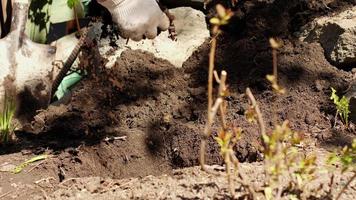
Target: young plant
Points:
(273, 78)
(227, 136)
(283, 160)
(6, 128)
(227, 140)
(221, 19)
(342, 107)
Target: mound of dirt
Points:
(162, 109)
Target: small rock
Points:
(26, 152)
(353, 70)
(93, 185)
(7, 167)
(309, 120)
(336, 34)
(320, 85)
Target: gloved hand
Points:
(137, 19)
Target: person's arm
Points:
(137, 19)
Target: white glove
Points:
(137, 19)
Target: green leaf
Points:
(72, 3)
(266, 139)
(215, 21)
(293, 197)
(268, 193)
(6, 115)
(342, 106)
(21, 166)
(219, 141)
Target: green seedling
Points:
(6, 128)
(21, 166)
(282, 159)
(223, 16)
(342, 106)
(251, 114)
(346, 157)
(221, 19)
(273, 78)
(228, 136)
(227, 140)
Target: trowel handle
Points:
(69, 62)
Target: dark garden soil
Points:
(145, 117)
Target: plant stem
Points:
(243, 180)
(76, 18)
(345, 186)
(275, 74)
(228, 173)
(331, 183)
(258, 111)
(275, 69)
(207, 131)
(211, 71)
(222, 90)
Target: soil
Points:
(145, 117)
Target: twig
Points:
(335, 118)
(331, 183)
(258, 111)
(123, 138)
(44, 193)
(228, 173)
(345, 186)
(207, 131)
(217, 79)
(76, 18)
(212, 114)
(44, 179)
(243, 180)
(275, 69)
(4, 195)
(279, 190)
(222, 91)
(67, 180)
(40, 163)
